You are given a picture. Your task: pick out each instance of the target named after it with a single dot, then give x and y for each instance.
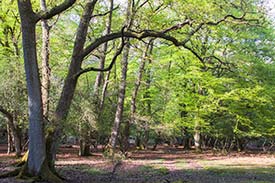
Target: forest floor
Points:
(165, 165)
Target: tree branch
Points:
(55, 10)
(112, 62)
(106, 13)
(159, 34)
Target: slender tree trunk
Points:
(10, 141)
(106, 81)
(134, 96)
(37, 152)
(45, 55)
(197, 137)
(186, 139)
(84, 142)
(122, 86)
(120, 104)
(99, 101)
(104, 91)
(100, 75)
(14, 137)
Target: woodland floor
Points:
(166, 165)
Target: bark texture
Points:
(37, 153)
(122, 86)
(107, 31)
(134, 96)
(45, 55)
(14, 139)
(68, 90)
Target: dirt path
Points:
(162, 166)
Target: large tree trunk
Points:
(37, 152)
(69, 87)
(186, 139)
(99, 101)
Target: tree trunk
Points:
(45, 55)
(14, 140)
(120, 103)
(84, 142)
(84, 148)
(107, 31)
(104, 91)
(197, 137)
(134, 97)
(197, 140)
(10, 141)
(122, 86)
(69, 87)
(37, 152)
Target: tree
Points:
(37, 146)
(45, 156)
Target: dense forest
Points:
(113, 76)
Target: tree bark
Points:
(69, 87)
(14, 140)
(10, 140)
(127, 127)
(120, 103)
(45, 55)
(107, 31)
(104, 91)
(84, 142)
(37, 149)
(197, 137)
(186, 139)
(122, 86)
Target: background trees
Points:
(198, 70)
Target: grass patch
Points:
(83, 168)
(93, 171)
(147, 169)
(181, 164)
(239, 170)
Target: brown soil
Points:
(162, 166)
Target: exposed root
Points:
(10, 174)
(45, 175)
(48, 175)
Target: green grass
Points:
(156, 170)
(181, 164)
(83, 168)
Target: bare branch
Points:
(178, 26)
(55, 22)
(112, 62)
(55, 10)
(160, 34)
(106, 13)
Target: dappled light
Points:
(140, 91)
